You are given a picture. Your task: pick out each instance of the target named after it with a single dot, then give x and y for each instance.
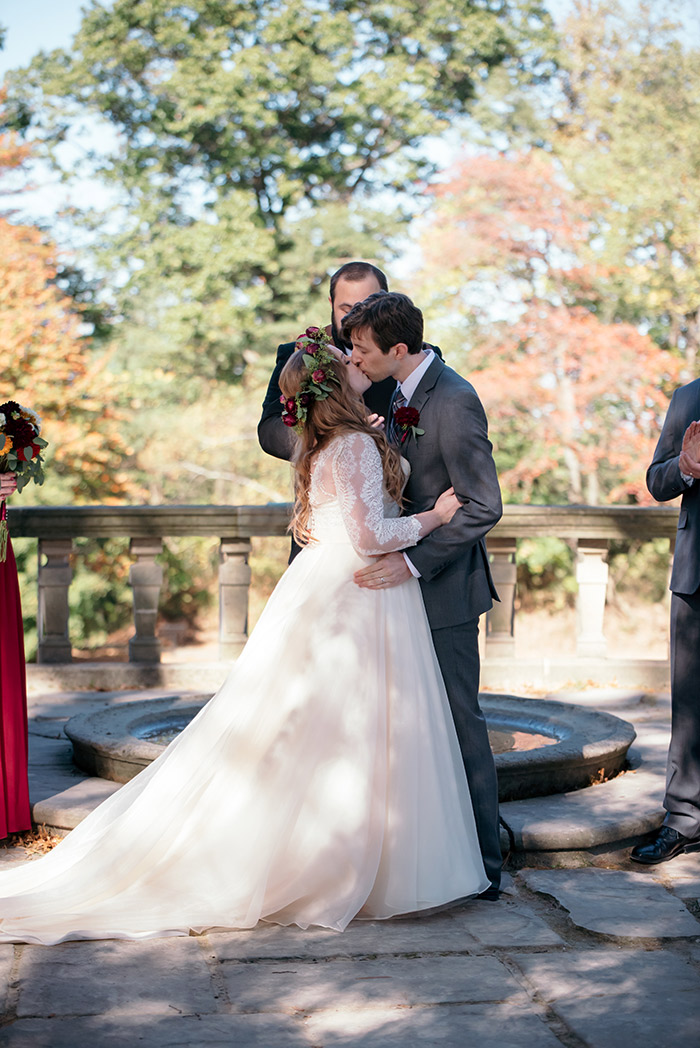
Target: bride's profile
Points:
(324, 779)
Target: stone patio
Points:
(584, 950)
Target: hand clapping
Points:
(689, 461)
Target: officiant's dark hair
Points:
(391, 317)
(358, 271)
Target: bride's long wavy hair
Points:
(343, 411)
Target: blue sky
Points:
(41, 25)
(36, 25)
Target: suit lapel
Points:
(421, 397)
(427, 384)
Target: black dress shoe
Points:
(491, 894)
(667, 845)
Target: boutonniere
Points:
(407, 420)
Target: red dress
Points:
(14, 789)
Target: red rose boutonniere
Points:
(407, 420)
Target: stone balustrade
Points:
(590, 527)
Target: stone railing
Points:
(591, 528)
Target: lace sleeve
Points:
(359, 485)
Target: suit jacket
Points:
(665, 482)
(453, 451)
(277, 439)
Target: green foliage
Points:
(545, 573)
(639, 570)
(238, 121)
(189, 578)
(100, 597)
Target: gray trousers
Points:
(682, 800)
(457, 650)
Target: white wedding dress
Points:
(322, 782)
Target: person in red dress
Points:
(15, 814)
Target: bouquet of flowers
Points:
(21, 449)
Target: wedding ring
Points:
(382, 579)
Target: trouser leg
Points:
(682, 800)
(458, 654)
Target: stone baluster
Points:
(146, 579)
(592, 578)
(500, 637)
(234, 584)
(53, 612)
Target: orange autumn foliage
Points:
(575, 402)
(47, 362)
(585, 398)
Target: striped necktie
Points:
(393, 431)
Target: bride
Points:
(324, 779)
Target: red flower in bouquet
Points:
(21, 431)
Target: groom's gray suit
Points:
(664, 480)
(454, 450)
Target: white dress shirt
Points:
(408, 387)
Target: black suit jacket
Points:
(665, 482)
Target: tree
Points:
(236, 117)
(575, 401)
(621, 118)
(47, 362)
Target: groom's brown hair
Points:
(391, 317)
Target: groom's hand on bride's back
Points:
(388, 570)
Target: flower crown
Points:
(313, 345)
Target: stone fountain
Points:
(541, 747)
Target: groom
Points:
(446, 442)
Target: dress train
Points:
(323, 781)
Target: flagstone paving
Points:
(583, 957)
(520, 972)
(615, 902)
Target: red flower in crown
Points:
(407, 420)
